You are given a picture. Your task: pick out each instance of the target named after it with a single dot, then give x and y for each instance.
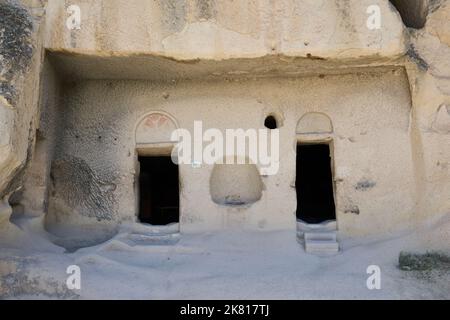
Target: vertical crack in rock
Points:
(416, 58)
(19, 173)
(206, 9)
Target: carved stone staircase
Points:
(153, 235)
(321, 242)
(320, 239)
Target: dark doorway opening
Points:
(314, 184)
(159, 202)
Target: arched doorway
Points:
(158, 176)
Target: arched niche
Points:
(155, 128)
(314, 123)
(235, 184)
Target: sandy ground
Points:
(221, 265)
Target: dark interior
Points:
(314, 184)
(413, 12)
(158, 191)
(270, 122)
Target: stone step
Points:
(303, 227)
(147, 229)
(154, 239)
(321, 242)
(321, 247)
(321, 236)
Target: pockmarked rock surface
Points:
(82, 85)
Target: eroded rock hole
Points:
(270, 122)
(413, 12)
(315, 200)
(158, 191)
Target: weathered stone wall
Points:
(391, 144)
(221, 29)
(414, 12)
(429, 71)
(21, 41)
(33, 196)
(16, 54)
(367, 110)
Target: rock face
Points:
(76, 187)
(414, 12)
(19, 69)
(78, 198)
(17, 48)
(221, 29)
(76, 82)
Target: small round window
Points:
(270, 122)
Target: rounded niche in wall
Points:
(314, 123)
(235, 184)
